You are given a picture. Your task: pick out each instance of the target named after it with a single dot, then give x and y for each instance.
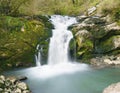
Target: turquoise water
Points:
(86, 81)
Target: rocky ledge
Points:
(105, 61)
(12, 85)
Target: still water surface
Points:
(84, 81)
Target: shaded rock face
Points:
(19, 37)
(95, 37)
(12, 85)
(114, 88)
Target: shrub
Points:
(111, 7)
(11, 7)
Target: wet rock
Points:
(105, 61)
(18, 90)
(12, 85)
(112, 62)
(98, 63)
(114, 88)
(12, 79)
(22, 85)
(81, 18)
(2, 79)
(22, 78)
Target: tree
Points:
(11, 7)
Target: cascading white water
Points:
(58, 60)
(38, 56)
(59, 42)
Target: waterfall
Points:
(58, 54)
(59, 42)
(38, 56)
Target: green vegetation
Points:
(63, 7)
(36, 7)
(19, 38)
(109, 47)
(110, 7)
(11, 7)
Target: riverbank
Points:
(12, 84)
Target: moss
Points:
(84, 49)
(88, 44)
(116, 15)
(106, 45)
(19, 38)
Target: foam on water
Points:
(49, 71)
(58, 56)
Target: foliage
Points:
(110, 7)
(36, 7)
(64, 7)
(18, 40)
(11, 7)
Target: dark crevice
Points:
(111, 51)
(108, 35)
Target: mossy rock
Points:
(19, 38)
(84, 47)
(110, 45)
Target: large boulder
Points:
(113, 88)
(12, 85)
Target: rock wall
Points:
(96, 37)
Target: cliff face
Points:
(96, 37)
(97, 34)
